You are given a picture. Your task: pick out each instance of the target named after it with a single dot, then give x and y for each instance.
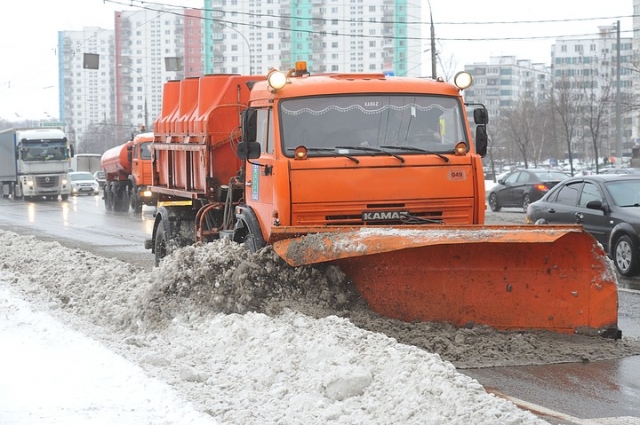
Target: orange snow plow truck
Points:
(381, 176)
(127, 169)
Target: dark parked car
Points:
(101, 178)
(607, 205)
(521, 187)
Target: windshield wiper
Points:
(412, 149)
(356, 160)
(370, 149)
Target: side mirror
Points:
(248, 150)
(482, 140)
(249, 125)
(72, 150)
(597, 205)
(481, 116)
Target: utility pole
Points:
(433, 45)
(618, 116)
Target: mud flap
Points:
(555, 278)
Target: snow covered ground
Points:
(217, 335)
(75, 352)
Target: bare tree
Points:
(597, 105)
(521, 124)
(567, 102)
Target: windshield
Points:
(54, 150)
(400, 123)
(145, 150)
(625, 192)
(81, 176)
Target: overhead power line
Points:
(146, 5)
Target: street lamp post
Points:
(246, 41)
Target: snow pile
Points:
(248, 340)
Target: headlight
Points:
(463, 80)
(30, 183)
(277, 79)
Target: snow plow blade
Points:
(554, 278)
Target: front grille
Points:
(447, 211)
(48, 181)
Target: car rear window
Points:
(550, 175)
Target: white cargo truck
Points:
(34, 163)
(89, 162)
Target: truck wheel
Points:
(160, 247)
(625, 256)
(108, 197)
(134, 201)
(250, 243)
(64, 197)
(120, 199)
(18, 192)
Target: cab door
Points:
(260, 178)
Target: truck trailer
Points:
(34, 163)
(89, 162)
(380, 176)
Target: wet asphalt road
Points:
(606, 392)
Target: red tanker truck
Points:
(128, 173)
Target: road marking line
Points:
(568, 419)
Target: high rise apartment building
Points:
(251, 37)
(583, 68)
(86, 95)
(590, 67)
(149, 50)
(500, 83)
(150, 46)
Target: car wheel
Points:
(625, 256)
(525, 202)
(493, 202)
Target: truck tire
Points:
(20, 193)
(247, 233)
(134, 201)
(108, 197)
(120, 198)
(161, 243)
(64, 197)
(250, 242)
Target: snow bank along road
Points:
(225, 336)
